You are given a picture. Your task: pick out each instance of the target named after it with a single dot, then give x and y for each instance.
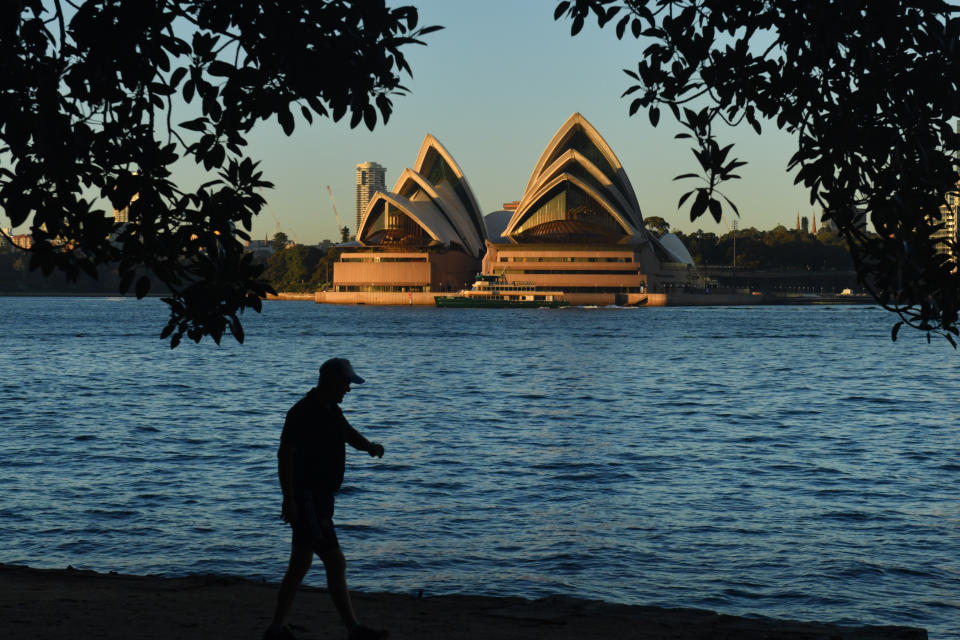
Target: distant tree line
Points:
(299, 268)
(777, 249)
(292, 268)
(16, 278)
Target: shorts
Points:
(314, 524)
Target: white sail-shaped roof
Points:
(574, 162)
(436, 195)
(423, 213)
(675, 248)
(438, 166)
(578, 154)
(523, 210)
(416, 186)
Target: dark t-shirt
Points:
(318, 436)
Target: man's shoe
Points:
(278, 634)
(361, 632)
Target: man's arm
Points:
(285, 471)
(356, 440)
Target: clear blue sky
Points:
(494, 86)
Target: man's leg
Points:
(336, 568)
(301, 557)
(328, 550)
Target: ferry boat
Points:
(495, 291)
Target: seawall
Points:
(673, 299)
(284, 295)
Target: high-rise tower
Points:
(949, 214)
(371, 177)
(948, 218)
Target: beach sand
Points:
(72, 604)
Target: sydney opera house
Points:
(577, 228)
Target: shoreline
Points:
(61, 604)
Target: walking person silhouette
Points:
(311, 461)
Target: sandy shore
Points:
(71, 604)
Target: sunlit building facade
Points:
(371, 178)
(426, 235)
(947, 235)
(578, 227)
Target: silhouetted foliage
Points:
(867, 88)
(88, 102)
(16, 278)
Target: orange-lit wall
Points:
(448, 271)
(509, 260)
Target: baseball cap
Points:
(340, 368)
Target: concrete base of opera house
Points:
(386, 298)
(427, 298)
(397, 298)
(677, 299)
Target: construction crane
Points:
(292, 236)
(277, 228)
(335, 212)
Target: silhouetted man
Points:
(311, 460)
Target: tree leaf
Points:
(143, 287)
(715, 209)
(285, 118)
(895, 331)
(577, 25)
(622, 26)
(370, 116)
(699, 205)
(197, 124)
(177, 76)
(220, 68)
(236, 328)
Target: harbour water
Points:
(777, 461)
